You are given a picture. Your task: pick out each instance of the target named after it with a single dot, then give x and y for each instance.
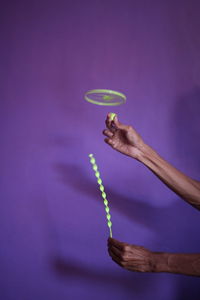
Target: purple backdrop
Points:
(53, 232)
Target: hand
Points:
(130, 257)
(123, 138)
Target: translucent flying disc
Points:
(105, 97)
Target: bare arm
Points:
(126, 140)
(139, 259)
(178, 263)
(182, 185)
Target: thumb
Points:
(118, 124)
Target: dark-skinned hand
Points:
(122, 138)
(130, 257)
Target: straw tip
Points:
(112, 116)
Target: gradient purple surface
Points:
(53, 233)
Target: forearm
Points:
(186, 264)
(184, 186)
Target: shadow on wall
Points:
(175, 226)
(64, 269)
(140, 212)
(166, 222)
(187, 128)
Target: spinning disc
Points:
(105, 97)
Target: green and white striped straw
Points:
(101, 187)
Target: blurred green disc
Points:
(105, 97)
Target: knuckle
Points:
(123, 264)
(114, 146)
(124, 254)
(126, 248)
(124, 257)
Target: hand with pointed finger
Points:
(123, 138)
(131, 257)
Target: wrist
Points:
(142, 152)
(147, 156)
(160, 262)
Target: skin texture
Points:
(130, 257)
(126, 140)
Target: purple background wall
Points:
(53, 233)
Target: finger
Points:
(108, 133)
(115, 258)
(108, 121)
(109, 141)
(116, 243)
(116, 251)
(118, 124)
